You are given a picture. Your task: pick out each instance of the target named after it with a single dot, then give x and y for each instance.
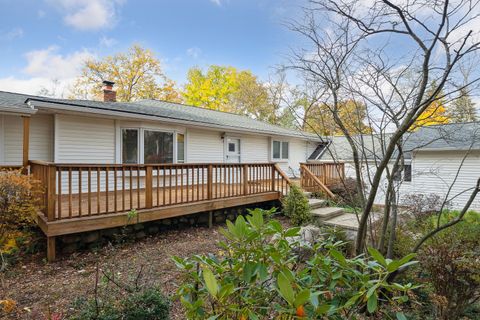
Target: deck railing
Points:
(78, 190)
(318, 176)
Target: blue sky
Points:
(48, 39)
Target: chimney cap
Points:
(108, 83)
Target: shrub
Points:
(258, 275)
(149, 304)
(422, 205)
(346, 192)
(296, 206)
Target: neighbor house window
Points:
(158, 147)
(180, 148)
(407, 173)
(280, 150)
(130, 146)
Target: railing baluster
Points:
(69, 192)
(98, 190)
(138, 188)
(79, 191)
(106, 190)
(115, 188)
(89, 195)
(59, 214)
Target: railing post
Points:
(245, 179)
(148, 187)
(210, 182)
(51, 191)
(273, 177)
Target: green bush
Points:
(258, 274)
(146, 304)
(296, 206)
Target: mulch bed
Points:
(39, 287)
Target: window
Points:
(280, 150)
(318, 152)
(231, 147)
(129, 146)
(407, 172)
(158, 147)
(180, 148)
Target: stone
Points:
(219, 219)
(91, 237)
(140, 235)
(71, 238)
(70, 248)
(153, 229)
(203, 218)
(307, 236)
(231, 217)
(167, 222)
(110, 232)
(138, 226)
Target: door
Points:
(232, 154)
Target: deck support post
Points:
(26, 143)
(51, 191)
(51, 249)
(210, 219)
(210, 182)
(273, 177)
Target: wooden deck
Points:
(81, 197)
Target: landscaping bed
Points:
(41, 288)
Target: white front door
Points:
(232, 154)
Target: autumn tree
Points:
(137, 74)
(435, 113)
(225, 88)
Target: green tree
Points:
(137, 74)
(463, 108)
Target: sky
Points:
(42, 40)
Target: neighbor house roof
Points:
(454, 136)
(157, 109)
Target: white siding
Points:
(297, 153)
(204, 146)
(434, 172)
(254, 149)
(41, 138)
(84, 140)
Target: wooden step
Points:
(316, 203)
(326, 213)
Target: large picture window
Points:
(280, 150)
(158, 147)
(130, 146)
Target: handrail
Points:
(319, 183)
(282, 174)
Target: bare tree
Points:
(398, 59)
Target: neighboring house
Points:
(147, 131)
(442, 160)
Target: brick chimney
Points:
(109, 95)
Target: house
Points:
(441, 159)
(98, 160)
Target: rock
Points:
(167, 222)
(219, 219)
(140, 235)
(91, 237)
(71, 238)
(153, 229)
(138, 226)
(231, 217)
(203, 218)
(110, 232)
(307, 236)
(70, 248)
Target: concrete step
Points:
(316, 203)
(307, 194)
(346, 221)
(326, 213)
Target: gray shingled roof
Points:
(163, 110)
(455, 136)
(15, 102)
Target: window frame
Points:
(281, 159)
(141, 143)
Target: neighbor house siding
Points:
(41, 138)
(84, 140)
(435, 172)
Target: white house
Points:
(441, 159)
(147, 131)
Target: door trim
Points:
(225, 147)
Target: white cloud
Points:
(88, 14)
(48, 63)
(107, 42)
(41, 14)
(47, 68)
(12, 34)
(194, 52)
(217, 2)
